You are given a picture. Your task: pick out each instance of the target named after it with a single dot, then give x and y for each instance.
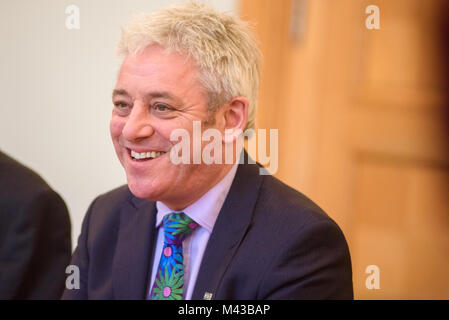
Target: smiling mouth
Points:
(144, 156)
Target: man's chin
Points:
(144, 191)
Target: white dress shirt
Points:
(204, 212)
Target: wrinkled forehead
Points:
(157, 67)
(156, 70)
(156, 64)
(155, 58)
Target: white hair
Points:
(222, 46)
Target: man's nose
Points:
(138, 125)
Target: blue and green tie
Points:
(169, 281)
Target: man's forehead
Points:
(149, 95)
(157, 73)
(158, 67)
(155, 55)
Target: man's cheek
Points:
(116, 126)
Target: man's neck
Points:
(181, 204)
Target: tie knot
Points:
(177, 226)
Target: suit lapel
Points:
(135, 245)
(231, 225)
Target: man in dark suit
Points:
(35, 242)
(197, 226)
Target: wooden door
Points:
(362, 131)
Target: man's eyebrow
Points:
(164, 95)
(161, 94)
(119, 92)
(150, 95)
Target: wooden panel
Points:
(362, 129)
(404, 231)
(270, 21)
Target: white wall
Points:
(55, 87)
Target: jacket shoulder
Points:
(283, 202)
(107, 205)
(114, 197)
(18, 181)
(26, 195)
(308, 239)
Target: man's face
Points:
(157, 92)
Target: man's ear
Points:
(235, 117)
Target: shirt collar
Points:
(205, 210)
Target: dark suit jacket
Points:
(35, 242)
(269, 242)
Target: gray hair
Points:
(223, 47)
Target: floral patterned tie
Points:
(169, 281)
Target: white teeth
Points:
(145, 155)
(135, 155)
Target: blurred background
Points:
(361, 113)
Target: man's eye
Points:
(161, 108)
(120, 105)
